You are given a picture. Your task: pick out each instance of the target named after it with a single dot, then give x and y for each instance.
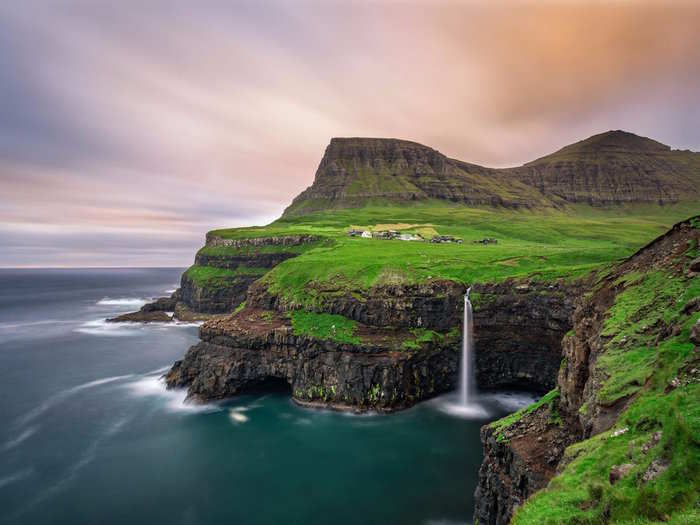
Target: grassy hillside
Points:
(541, 245)
(657, 437)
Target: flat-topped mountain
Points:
(609, 168)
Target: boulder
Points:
(617, 472)
(695, 333)
(695, 265)
(142, 317)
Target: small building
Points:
(446, 238)
(366, 234)
(409, 237)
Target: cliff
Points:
(343, 365)
(611, 168)
(624, 404)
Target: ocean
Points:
(90, 435)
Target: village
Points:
(394, 235)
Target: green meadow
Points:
(542, 245)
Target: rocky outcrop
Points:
(522, 454)
(518, 330)
(222, 297)
(214, 239)
(142, 317)
(434, 304)
(519, 460)
(355, 170)
(154, 312)
(610, 168)
(614, 168)
(256, 347)
(518, 325)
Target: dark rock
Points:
(153, 312)
(695, 265)
(518, 461)
(617, 472)
(240, 353)
(655, 469)
(435, 304)
(142, 317)
(162, 304)
(283, 240)
(695, 333)
(692, 306)
(518, 332)
(222, 298)
(653, 441)
(186, 314)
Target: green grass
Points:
(208, 276)
(245, 251)
(647, 303)
(421, 336)
(547, 400)
(544, 246)
(582, 492)
(633, 363)
(324, 326)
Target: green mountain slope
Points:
(610, 168)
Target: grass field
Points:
(542, 245)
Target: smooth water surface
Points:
(89, 434)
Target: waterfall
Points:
(465, 371)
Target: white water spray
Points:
(465, 371)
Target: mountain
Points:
(609, 168)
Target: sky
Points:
(128, 129)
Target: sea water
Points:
(90, 435)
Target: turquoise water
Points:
(90, 435)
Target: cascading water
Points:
(465, 370)
(465, 403)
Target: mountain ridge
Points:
(608, 168)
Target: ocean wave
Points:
(26, 324)
(174, 399)
(101, 327)
(158, 371)
(17, 476)
(63, 395)
(134, 302)
(23, 436)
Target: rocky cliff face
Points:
(613, 168)
(222, 298)
(258, 347)
(518, 330)
(523, 452)
(610, 168)
(355, 170)
(436, 304)
(519, 327)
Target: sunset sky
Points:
(127, 131)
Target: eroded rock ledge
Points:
(256, 346)
(521, 323)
